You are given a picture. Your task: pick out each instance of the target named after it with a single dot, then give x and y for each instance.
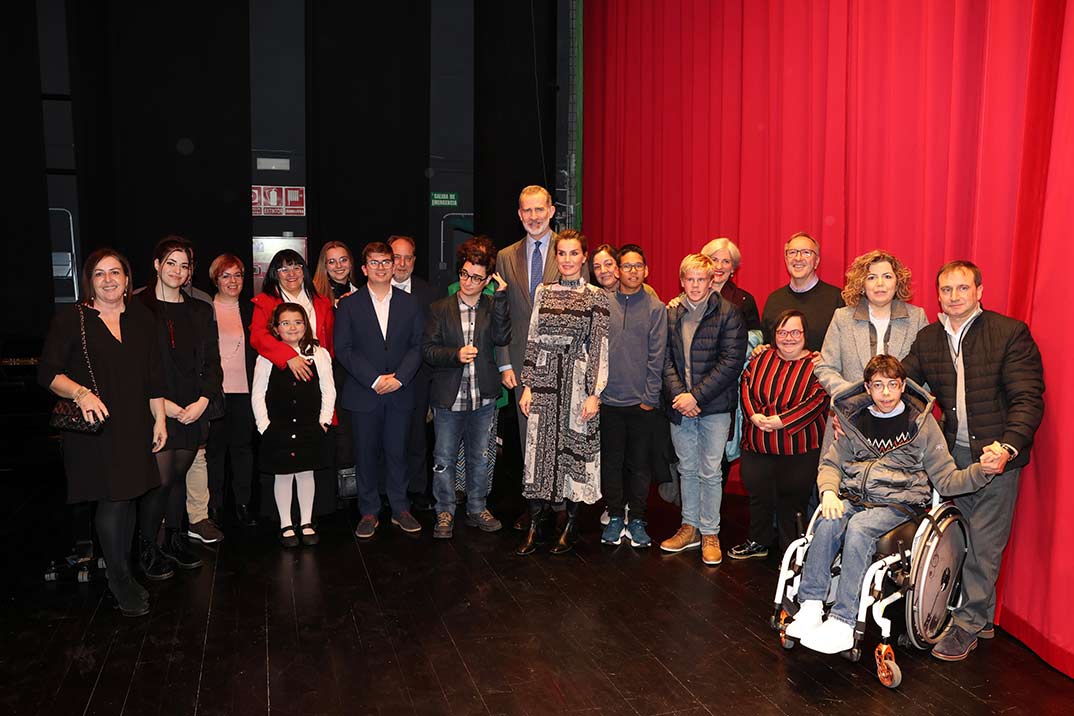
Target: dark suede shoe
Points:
(955, 645)
(177, 549)
(153, 563)
(406, 522)
(367, 527)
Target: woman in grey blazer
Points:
(883, 323)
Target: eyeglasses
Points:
(229, 276)
(464, 276)
(342, 260)
(379, 263)
(631, 267)
(403, 259)
(804, 253)
(893, 385)
(794, 333)
(289, 270)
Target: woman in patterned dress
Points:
(564, 372)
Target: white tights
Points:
(306, 489)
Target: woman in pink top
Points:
(232, 435)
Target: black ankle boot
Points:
(244, 516)
(567, 537)
(177, 549)
(152, 562)
(530, 542)
(131, 598)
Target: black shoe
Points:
(152, 562)
(289, 536)
(522, 523)
(244, 516)
(530, 542)
(128, 601)
(177, 549)
(308, 540)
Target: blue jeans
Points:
(857, 532)
(471, 427)
(699, 443)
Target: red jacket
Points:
(276, 350)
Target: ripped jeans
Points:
(469, 427)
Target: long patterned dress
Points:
(566, 362)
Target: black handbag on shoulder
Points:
(66, 415)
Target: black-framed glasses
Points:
(379, 263)
(631, 267)
(464, 276)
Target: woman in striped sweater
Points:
(785, 409)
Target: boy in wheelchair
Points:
(873, 478)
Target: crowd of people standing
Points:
(337, 371)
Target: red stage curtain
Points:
(936, 130)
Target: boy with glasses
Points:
(462, 333)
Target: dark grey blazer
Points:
(513, 265)
(443, 338)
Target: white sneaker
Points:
(831, 637)
(809, 617)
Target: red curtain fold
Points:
(936, 130)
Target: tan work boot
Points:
(710, 550)
(686, 538)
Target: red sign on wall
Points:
(277, 200)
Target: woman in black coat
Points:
(102, 354)
(190, 356)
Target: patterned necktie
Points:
(536, 268)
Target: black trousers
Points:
(779, 486)
(231, 437)
(626, 439)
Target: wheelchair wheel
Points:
(786, 642)
(887, 670)
(938, 553)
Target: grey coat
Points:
(851, 342)
(857, 471)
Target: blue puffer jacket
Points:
(715, 357)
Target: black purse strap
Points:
(85, 349)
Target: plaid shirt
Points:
(468, 397)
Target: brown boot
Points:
(686, 538)
(710, 550)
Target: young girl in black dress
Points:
(293, 417)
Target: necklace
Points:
(571, 283)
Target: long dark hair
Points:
(306, 345)
(287, 257)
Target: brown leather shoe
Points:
(686, 538)
(710, 550)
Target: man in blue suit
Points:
(378, 342)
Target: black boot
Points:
(177, 549)
(567, 537)
(523, 522)
(153, 563)
(132, 599)
(529, 543)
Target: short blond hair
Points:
(696, 262)
(533, 189)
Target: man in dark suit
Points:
(378, 342)
(417, 465)
(461, 336)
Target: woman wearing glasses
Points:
(883, 323)
(335, 272)
(785, 408)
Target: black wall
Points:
(162, 125)
(367, 135)
(515, 110)
(24, 243)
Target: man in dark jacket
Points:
(986, 367)
(462, 333)
(705, 349)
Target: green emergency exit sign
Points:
(444, 198)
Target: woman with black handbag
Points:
(190, 358)
(101, 359)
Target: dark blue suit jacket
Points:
(365, 354)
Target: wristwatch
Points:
(1010, 449)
